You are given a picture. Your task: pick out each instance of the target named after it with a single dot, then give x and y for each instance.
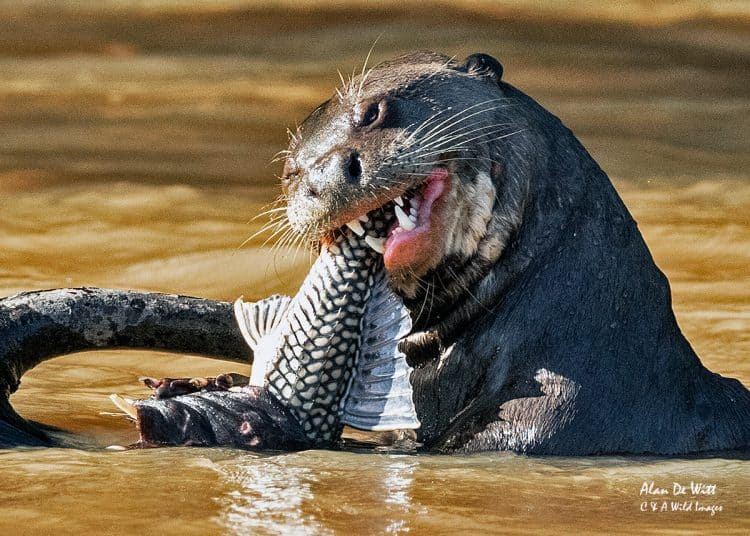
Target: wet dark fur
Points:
(575, 293)
(253, 419)
(555, 335)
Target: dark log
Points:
(37, 326)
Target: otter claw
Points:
(171, 387)
(125, 405)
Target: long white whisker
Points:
(468, 130)
(363, 76)
(463, 148)
(453, 118)
(445, 125)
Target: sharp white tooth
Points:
(399, 201)
(363, 218)
(124, 405)
(403, 219)
(378, 244)
(355, 226)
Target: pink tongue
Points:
(406, 248)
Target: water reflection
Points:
(398, 478)
(319, 493)
(267, 495)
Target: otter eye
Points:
(371, 114)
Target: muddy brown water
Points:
(135, 150)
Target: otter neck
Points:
(452, 295)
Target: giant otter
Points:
(541, 323)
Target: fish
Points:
(325, 358)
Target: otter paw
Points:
(171, 387)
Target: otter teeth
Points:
(403, 220)
(356, 226)
(399, 201)
(378, 244)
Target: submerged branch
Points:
(37, 326)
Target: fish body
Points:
(330, 354)
(325, 358)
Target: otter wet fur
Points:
(541, 324)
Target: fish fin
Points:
(380, 396)
(258, 319)
(258, 322)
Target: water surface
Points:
(135, 151)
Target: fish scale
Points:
(327, 357)
(320, 342)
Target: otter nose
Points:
(353, 168)
(309, 189)
(329, 173)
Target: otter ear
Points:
(483, 65)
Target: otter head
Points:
(418, 133)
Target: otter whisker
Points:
(269, 211)
(434, 163)
(271, 225)
(363, 75)
(281, 155)
(282, 229)
(273, 221)
(454, 119)
(344, 90)
(453, 128)
(464, 287)
(439, 115)
(459, 148)
(283, 241)
(465, 131)
(341, 77)
(278, 200)
(426, 287)
(448, 128)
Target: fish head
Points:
(249, 419)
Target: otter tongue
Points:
(408, 244)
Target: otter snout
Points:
(328, 173)
(321, 193)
